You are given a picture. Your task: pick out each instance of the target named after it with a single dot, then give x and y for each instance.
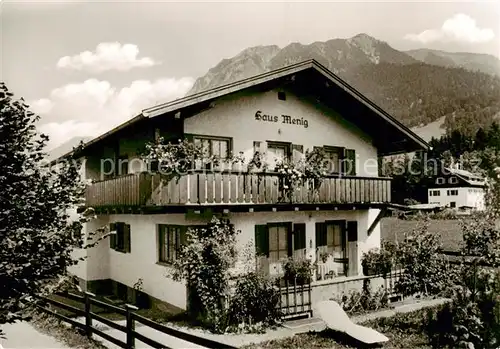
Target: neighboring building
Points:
(282, 113)
(456, 188)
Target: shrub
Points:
(425, 271)
(377, 262)
(356, 302)
(204, 264)
(297, 270)
(254, 303)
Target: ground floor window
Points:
(171, 238)
(119, 239)
(278, 241)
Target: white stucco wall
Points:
(473, 197)
(142, 262)
(234, 116)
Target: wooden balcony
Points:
(205, 189)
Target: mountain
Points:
(66, 147)
(471, 61)
(418, 87)
(338, 55)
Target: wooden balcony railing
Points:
(232, 189)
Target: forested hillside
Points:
(420, 93)
(417, 87)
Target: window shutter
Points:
(352, 231)
(349, 162)
(289, 237)
(112, 237)
(297, 152)
(299, 236)
(262, 240)
(126, 237)
(320, 234)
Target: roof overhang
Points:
(390, 136)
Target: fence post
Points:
(130, 325)
(88, 317)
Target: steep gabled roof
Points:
(311, 78)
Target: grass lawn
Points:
(403, 330)
(393, 229)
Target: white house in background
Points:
(456, 188)
(281, 113)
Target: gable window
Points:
(440, 180)
(120, 239)
(278, 151)
(282, 96)
(171, 238)
(212, 146)
(453, 180)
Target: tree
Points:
(36, 233)
(481, 140)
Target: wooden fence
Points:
(295, 300)
(88, 299)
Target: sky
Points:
(86, 67)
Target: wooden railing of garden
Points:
(89, 300)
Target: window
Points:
(120, 239)
(440, 180)
(435, 193)
(452, 192)
(330, 235)
(282, 96)
(212, 146)
(453, 204)
(279, 240)
(453, 180)
(334, 157)
(278, 151)
(171, 238)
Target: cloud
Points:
(107, 56)
(93, 107)
(460, 27)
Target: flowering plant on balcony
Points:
(311, 169)
(177, 159)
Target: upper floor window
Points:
(440, 180)
(453, 180)
(434, 193)
(452, 192)
(279, 151)
(212, 146)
